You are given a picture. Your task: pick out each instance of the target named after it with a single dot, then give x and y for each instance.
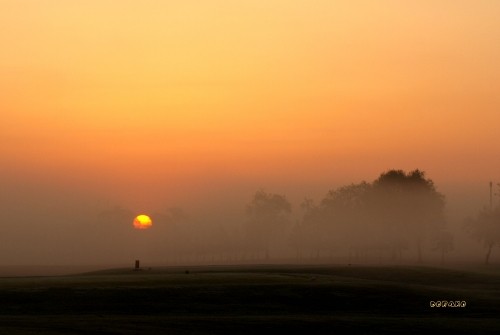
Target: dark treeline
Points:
(382, 219)
(399, 217)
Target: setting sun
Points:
(142, 222)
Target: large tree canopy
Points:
(408, 203)
(394, 210)
(408, 206)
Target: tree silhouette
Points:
(268, 214)
(345, 216)
(174, 233)
(486, 229)
(311, 233)
(407, 205)
(397, 208)
(443, 243)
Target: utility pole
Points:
(497, 194)
(491, 195)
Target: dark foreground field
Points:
(253, 300)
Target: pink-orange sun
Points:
(142, 222)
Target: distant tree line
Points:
(395, 217)
(384, 217)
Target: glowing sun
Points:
(142, 222)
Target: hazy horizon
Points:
(63, 229)
(148, 106)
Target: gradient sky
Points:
(150, 104)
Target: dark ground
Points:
(266, 299)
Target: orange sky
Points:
(152, 103)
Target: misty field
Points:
(254, 300)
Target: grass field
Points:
(277, 299)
